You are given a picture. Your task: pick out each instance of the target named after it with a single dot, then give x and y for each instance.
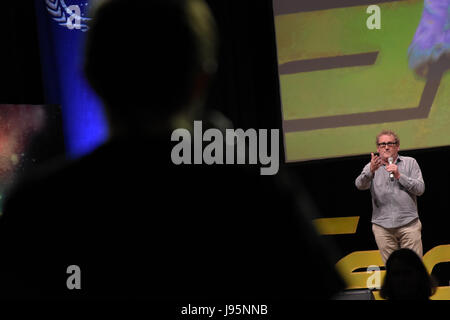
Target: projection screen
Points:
(342, 82)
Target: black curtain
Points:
(246, 85)
(21, 80)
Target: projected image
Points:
(342, 82)
(29, 135)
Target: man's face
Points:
(387, 147)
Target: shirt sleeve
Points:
(364, 180)
(413, 181)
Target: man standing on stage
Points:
(394, 182)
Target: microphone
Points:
(391, 175)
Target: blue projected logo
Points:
(71, 16)
(62, 25)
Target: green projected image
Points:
(341, 82)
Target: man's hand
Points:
(375, 163)
(394, 169)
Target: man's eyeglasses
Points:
(384, 144)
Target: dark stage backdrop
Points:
(246, 90)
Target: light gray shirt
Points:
(394, 203)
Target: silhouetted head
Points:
(406, 277)
(149, 60)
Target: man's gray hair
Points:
(388, 133)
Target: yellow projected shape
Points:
(359, 260)
(341, 225)
(363, 259)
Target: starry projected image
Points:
(29, 135)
